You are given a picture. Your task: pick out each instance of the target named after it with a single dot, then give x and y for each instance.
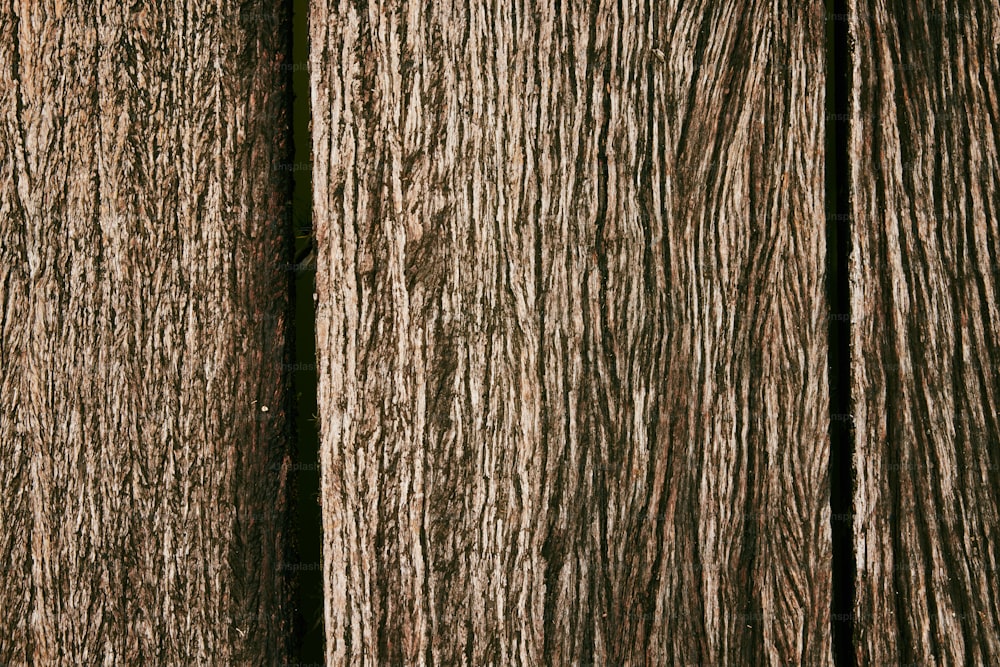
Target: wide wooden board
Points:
(925, 357)
(572, 332)
(142, 310)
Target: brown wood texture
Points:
(142, 306)
(571, 332)
(926, 387)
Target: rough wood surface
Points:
(142, 305)
(926, 363)
(571, 332)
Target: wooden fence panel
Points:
(142, 306)
(926, 362)
(572, 332)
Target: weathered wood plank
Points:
(143, 303)
(571, 331)
(924, 274)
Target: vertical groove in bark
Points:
(15, 521)
(143, 304)
(924, 153)
(571, 332)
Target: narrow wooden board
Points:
(142, 306)
(926, 385)
(572, 332)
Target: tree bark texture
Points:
(926, 363)
(142, 306)
(572, 332)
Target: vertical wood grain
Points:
(142, 314)
(924, 275)
(571, 332)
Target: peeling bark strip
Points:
(142, 310)
(571, 332)
(924, 150)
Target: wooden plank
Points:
(925, 309)
(571, 332)
(143, 307)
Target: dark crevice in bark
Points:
(15, 65)
(306, 520)
(553, 562)
(15, 76)
(838, 248)
(957, 589)
(605, 462)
